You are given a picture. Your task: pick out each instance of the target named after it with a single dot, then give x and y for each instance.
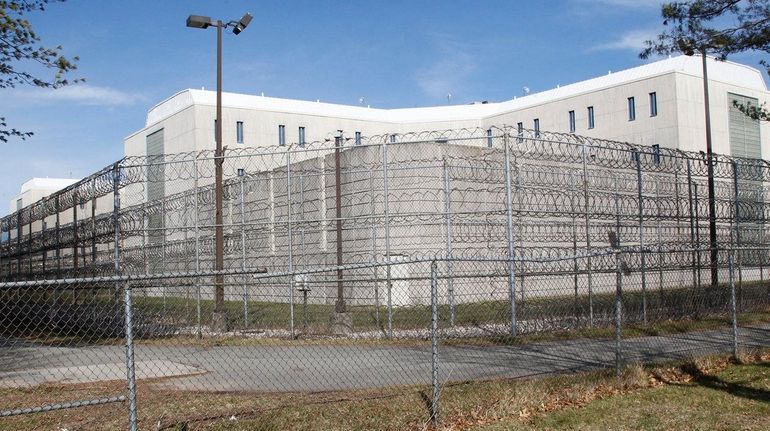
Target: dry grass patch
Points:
(738, 392)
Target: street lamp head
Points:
(199, 21)
(243, 23)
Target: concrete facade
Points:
(187, 117)
(35, 189)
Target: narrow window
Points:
(572, 121)
(537, 127)
(393, 138)
(239, 132)
(358, 138)
(653, 104)
(489, 138)
(591, 117)
(519, 131)
(302, 137)
(631, 109)
(281, 135)
(215, 130)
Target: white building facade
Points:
(660, 103)
(35, 189)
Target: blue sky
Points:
(392, 53)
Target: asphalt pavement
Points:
(338, 366)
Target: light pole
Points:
(688, 47)
(710, 167)
(219, 317)
(341, 319)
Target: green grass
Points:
(559, 317)
(735, 398)
(674, 303)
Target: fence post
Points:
(43, 228)
(75, 237)
(733, 307)
(2, 230)
(130, 372)
(115, 221)
(129, 309)
(615, 244)
(587, 213)
(618, 311)
(733, 302)
(660, 241)
(375, 269)
(242, 175)
(386, 212)
(697, 235)
(58, 239)
(434, 342)
(642, 253)
(692, 221)
(448, 219)
(736, 220)
(197, 249)
(575, 267)
(511, 256)
(19, 232)
(520, 208)
(289, 240)
(163, 268)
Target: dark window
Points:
(281, 135)
(489, 138)
(239, 132)
(572, 121)
(537, 127)
(653, 104)
(631, 109)
(591, 123)
(301, 136)
(358, 138)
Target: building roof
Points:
(724, 71)
(48, 184)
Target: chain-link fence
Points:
(384, 262)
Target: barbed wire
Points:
(431, 183)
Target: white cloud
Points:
(83, 94)
(448, 73)
(632, 40)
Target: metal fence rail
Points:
(424, 252)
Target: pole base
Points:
(341, 323)
(219, 322)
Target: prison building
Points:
(403, 197)
(471, 181)
(659, 103)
